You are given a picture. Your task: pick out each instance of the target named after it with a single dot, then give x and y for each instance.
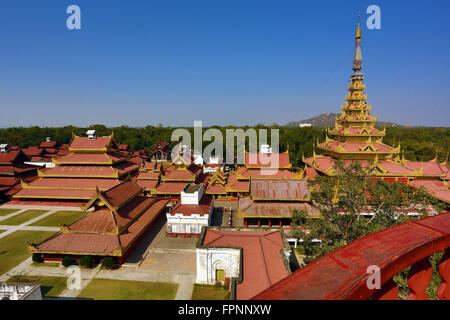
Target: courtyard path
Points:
(21, 226)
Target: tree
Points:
(353, 204)
(67, 261)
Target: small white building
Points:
(212, 165)
(20, 291)
(190, 213)
(305, 125)
(92, 134)
(4, 147)
(225, 253)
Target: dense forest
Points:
(419, 143)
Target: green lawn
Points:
(209, 292)
(22, 217)
(50, 286)
(60, 217)
(46, 264)
(4, 212)
(13, 247)
(104, 289)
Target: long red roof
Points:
(276, 160)
(84, 143)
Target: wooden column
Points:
(270, 223)
(419, 277)
(443, 291)
(245, 222)
(259, 222)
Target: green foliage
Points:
(419, 143)
(351, 190)
(37, 257)
(67, 261)
(85, 261)
(108, 262)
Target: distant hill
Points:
(327, 119)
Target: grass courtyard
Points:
(4, 212)
(22, 217)
(209, 292)
(13, 247)
(50, 286)
(60, 217)
(104, 289)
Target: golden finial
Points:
(358, 30)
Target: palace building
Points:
(355, 138)
(13, 170)
(192, 211)
(262, 165)
(177, 175)
(42, 155)
(93, 163)
(272, 201)
(121, 217)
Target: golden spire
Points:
(358, 30)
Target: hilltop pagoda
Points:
(355, 138)
(93, 162)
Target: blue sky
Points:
(236, 62)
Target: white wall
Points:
(211, 259)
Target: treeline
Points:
(418, 143)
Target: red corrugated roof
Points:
(279, 189)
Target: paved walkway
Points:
(25, 224)
(156, 251)
(185, 280)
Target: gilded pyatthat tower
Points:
(354, 135)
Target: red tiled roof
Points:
(277, 160)
(279, 189)
(99, 158)
(265, 173)
(8, 181)
(92, 170)
(129, 235)
(80, 243)
(435, 188)
(75, 183)
(202, 208)
(179, 174)
(120, 194)
(84, 143)
(149, 175)
(147, 184)
(49, 144)
(9, 157)
(234, 184)
(98, 221)
(33, 151)
(171, 187)
(263, 264)
(215, 189)
(311, 173)
(431, 168)
(55, 193)
(354, 146)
